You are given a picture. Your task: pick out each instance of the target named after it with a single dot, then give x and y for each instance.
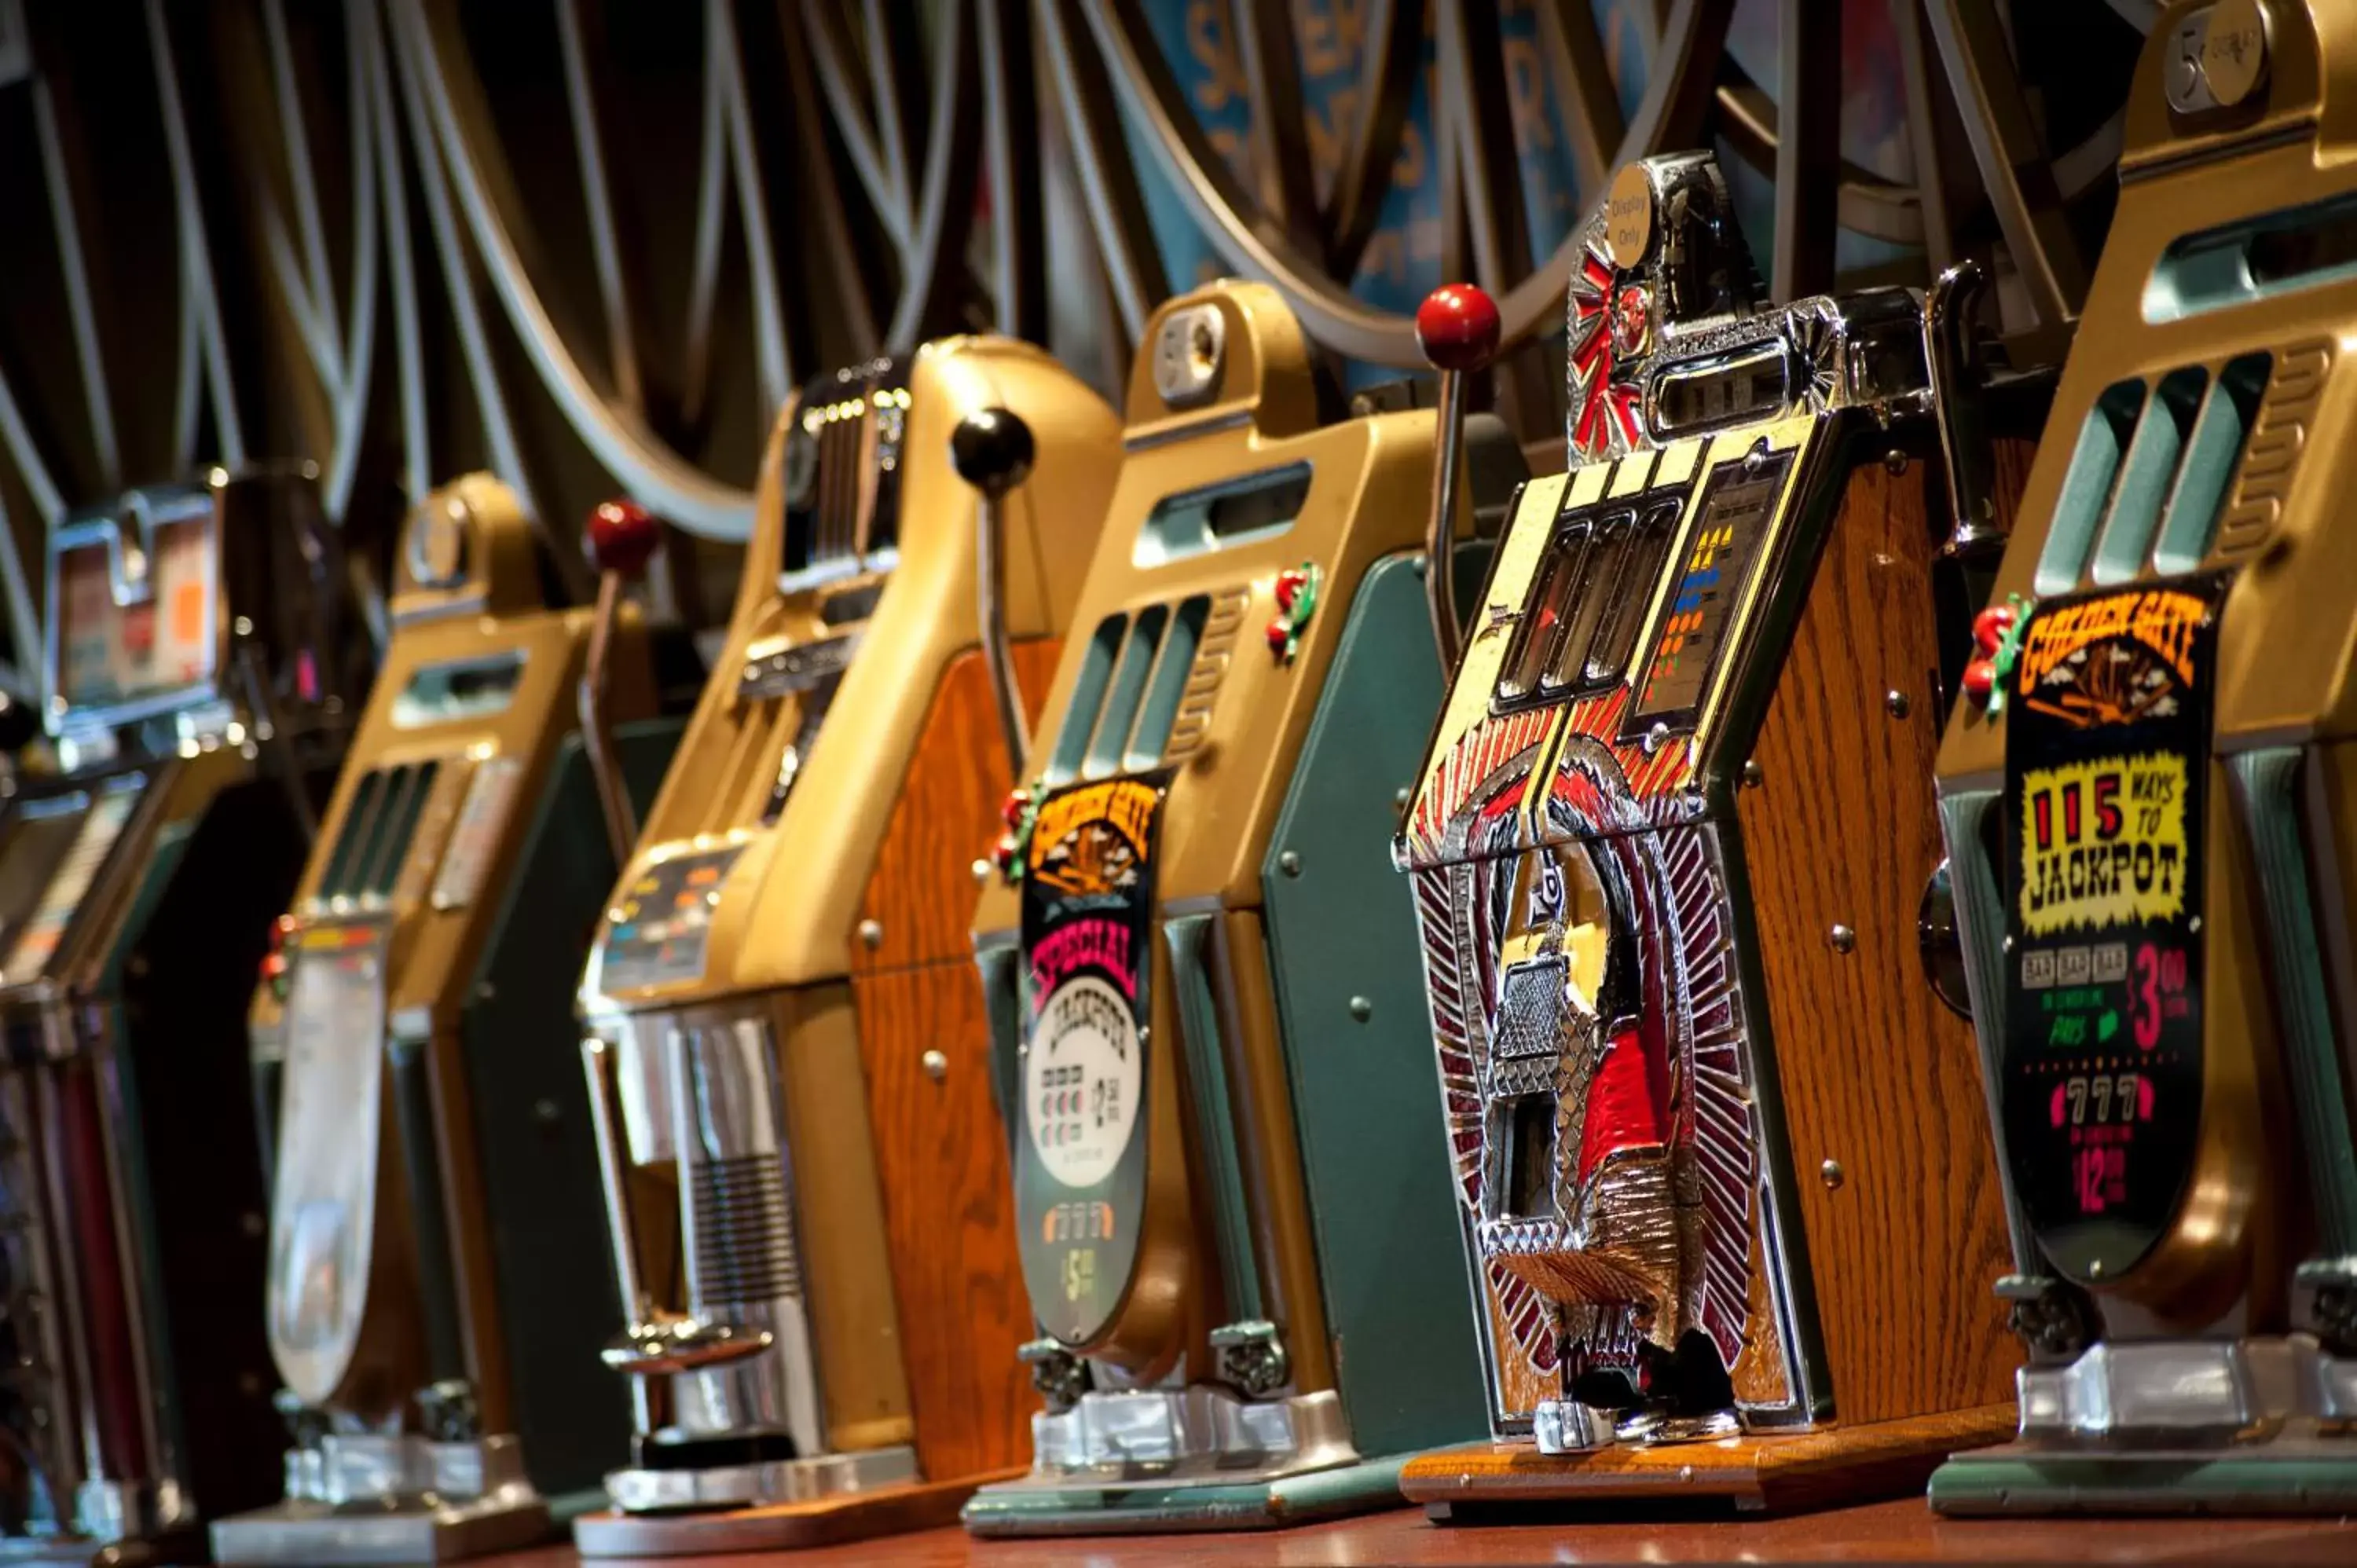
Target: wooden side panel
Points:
(949, 1214)
(940, 1149)
(921, 894)
(1876, 1074)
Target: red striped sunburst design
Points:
(1603, 414)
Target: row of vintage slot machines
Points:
(1220, 962)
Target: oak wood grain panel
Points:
(1876, 1073)
(1777, 1471)
(920, 893)
(949, 1216)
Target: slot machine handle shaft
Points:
(992, 450)
(1457, 327)
(1951, 359)
(622, 538)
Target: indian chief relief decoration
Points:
(1571, 841)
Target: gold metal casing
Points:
(785, 919)
(2287, 634)
(1238, 733)
(491, 767)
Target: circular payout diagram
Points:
(1081, 1080)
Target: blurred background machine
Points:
(203, 667)
(805, 1177)
(435, 1256)
(1228, 1175)
(2148, 801)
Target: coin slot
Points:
(2189, 525)
(2087, 486)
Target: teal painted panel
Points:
(558, 1302)
(1391, 1247)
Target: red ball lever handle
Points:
(1458, 328)
(622, 536)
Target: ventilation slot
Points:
(2144, 476)
(2191, 522)
(2087, 485)
(359, 820)
(1088, 698)
(1126, 693)
(1171, 669)
(368, 852)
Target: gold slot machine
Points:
(2147, 798)
(435, 1230)
(1228, 1180)
(1718, 1166)
(805, 1177)
(201, 660)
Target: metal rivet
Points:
(1422, 563)
(1656, 738)
(936, 1065)
(485, 992)
(1842, 938)
(2094, 1268)
(1895, 460)
(1834, 1176)
(1289, 864)
(872, 933)
(982, 871)
(1401, 796)
(1361, 1009)
(1896, 704)
(1753, 774)
(546, 1112)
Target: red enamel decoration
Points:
(1989, 627)
(1980, 679)
(622, 536)
(1457, 327)
(1603, 415)
(1289, 584)
(1011, 812)
(1632, 319)
(1280, 639)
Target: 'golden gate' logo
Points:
(2161, 619)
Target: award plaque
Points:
(806, 1187)
(1227, 1165)
(1716, 1163)
(2148, 803)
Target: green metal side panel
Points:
(1342, 941)
(558, 1302)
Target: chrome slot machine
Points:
(201, 667)
(434, 1232)
(804, 1180)
(1228, 1182)
(1721, 1183)
(2149, 803)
